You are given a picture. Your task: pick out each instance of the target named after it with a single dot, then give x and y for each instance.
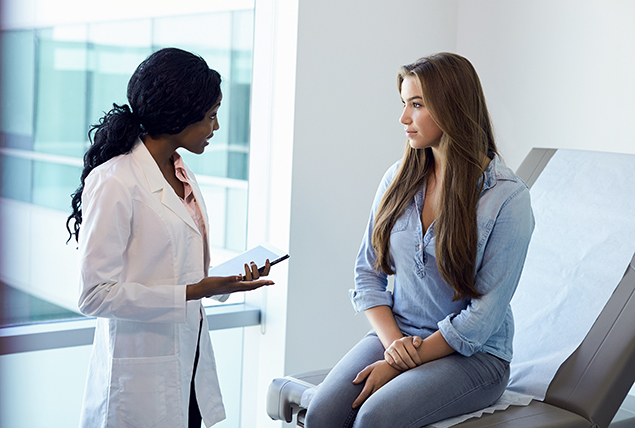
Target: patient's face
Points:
(421, 130)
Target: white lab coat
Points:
(139, 248)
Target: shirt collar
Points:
(495, 171)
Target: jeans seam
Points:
(350, 419)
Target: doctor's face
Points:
(196, 136)
(421, 130)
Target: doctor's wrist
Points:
(194, 292)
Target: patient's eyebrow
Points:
(417, 97)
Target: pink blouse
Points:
(191, 204)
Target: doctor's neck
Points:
(161, 147)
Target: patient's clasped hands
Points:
(400, 356)
(402, 353)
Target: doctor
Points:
(144, 252)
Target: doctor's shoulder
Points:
(114, 173)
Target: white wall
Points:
(556, 73)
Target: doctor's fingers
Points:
(264, 271)
(251, 271)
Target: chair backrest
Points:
(596, 378)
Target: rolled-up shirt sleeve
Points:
(497, 278)
(371, 283)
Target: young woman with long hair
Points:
(142, 226)
(452, 224)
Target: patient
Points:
(452, 224)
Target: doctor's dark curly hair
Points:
(168, 91)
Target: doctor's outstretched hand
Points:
(217, 285)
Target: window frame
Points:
(79, 332)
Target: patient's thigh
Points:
(331, 405)
(451, 386)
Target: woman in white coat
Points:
(144, 252)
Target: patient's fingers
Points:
(363, 374)
(402, 353)
(396, 361)
(366, 392)
(368, 388)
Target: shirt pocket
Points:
(144, 392)
(403, 220)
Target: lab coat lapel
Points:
(158, 184)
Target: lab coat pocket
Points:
(143, 391)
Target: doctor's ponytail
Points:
(114, 135)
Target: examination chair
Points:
(587, 390)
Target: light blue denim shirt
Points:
(421, 300)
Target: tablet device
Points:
(258, 255)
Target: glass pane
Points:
(17, 49)
(53, 183)
(224, 40)
(236, 219)
(228, 351)
(115, 50)
(62, 85)
(16, 178)
(18, 307)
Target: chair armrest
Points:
(283, 395)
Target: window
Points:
(59, 80)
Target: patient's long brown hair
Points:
(453, 95)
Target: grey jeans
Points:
(438, 390)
